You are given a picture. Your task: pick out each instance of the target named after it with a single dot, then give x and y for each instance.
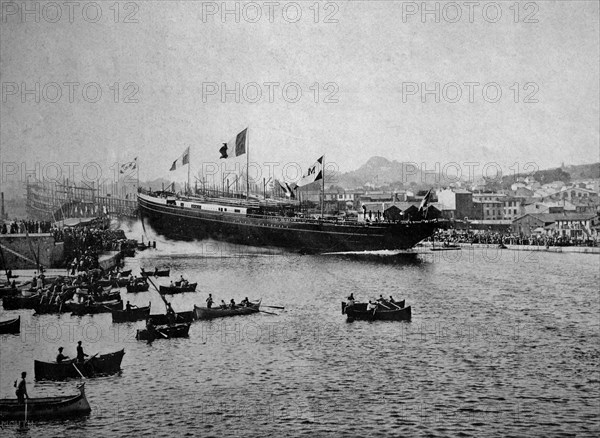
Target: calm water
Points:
(501, 344)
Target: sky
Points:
(117, 80)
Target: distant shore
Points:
(558, 249)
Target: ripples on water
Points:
(501, 344)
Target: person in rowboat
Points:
(21, 386)
(245, 302)
(223, 305)
(80, 354)
(129, 306)
(209, 301)
(60, 356)
(350, 301)
(232, 304)
(371, 306)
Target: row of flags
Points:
(238, 146)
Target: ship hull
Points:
(317, 236)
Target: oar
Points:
(90, 358)
(270, 313)
(80, 373)
(23, 426)
(394, 304)
(275, 307)
(166, 337)
(383, 305)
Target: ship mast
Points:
(189, 166)
(247, 163)
(323, 187)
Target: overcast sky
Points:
(369, 62)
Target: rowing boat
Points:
(92, 309)
(135, 314)
(137, 287)
(170, 290)
(12, 326)
(163, 319)
(378, 314)
(104, 364)
(164, 332)
(156, 273)
(19, 302)
(217, 312)
(46, 407)
(363, 306)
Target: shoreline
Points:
(555, 249)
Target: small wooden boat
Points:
(156, 273)
(116, 282)
(379, 314)
(139, 286)
(12, 326)
(170, 290)
(363, 306)
(163, 319)
(46, 407)
(101, 365)
(217, 312)
(125, 273)
(19, 302)
(92, 309)
(164, 332)
(135, 314)
(6, 291)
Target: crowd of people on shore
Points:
(23, 226)
(508, 238)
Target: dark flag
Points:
(236, 144)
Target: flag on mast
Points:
(425, 201)
(132, 165)
(287, 189)
(236, 146)
(314, 173)
(181, 161)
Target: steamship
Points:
(266, 222)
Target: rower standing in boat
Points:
(80, 354)
(209, 301)
(60, 356)
(21, 386)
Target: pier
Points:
(55, 202)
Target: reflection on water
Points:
(497, 346)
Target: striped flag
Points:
(181, 161)
(236, 146)
(425, 202)
(314, 173)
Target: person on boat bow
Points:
(209, 301)
(80, 354)
(60, 356)
(21, 386)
